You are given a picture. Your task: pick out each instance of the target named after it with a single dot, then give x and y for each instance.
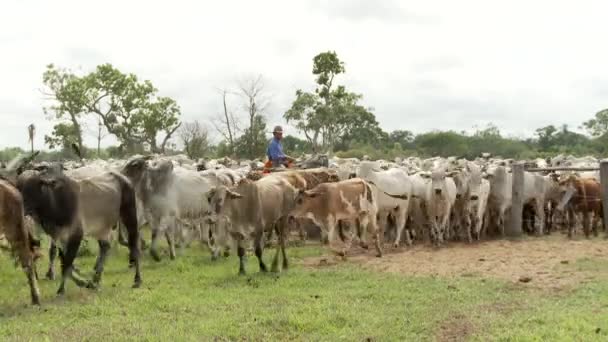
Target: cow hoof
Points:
(155, 255)
(50, 275)
(36, 301)
(396, 245)
(242, 273)
(379, 255)
(92, 285)
(136, 284)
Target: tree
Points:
(130, 109)
(403, 138)
(161, 115)
(545, 137)
(66, 92)
(598, 126)
(255, 102)
(31, 133)
(194, 136)
(226, 124)
(293, 144)
(330, 114)
(255, 132)
(63, 136)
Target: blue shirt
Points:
(275, 150)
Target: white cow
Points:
(440, 197)
(395, 182)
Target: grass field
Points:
(193, 298)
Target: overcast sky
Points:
(421, 65)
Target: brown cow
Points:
(17, 232)
(584, 197)
(307, 180)
(349, 200)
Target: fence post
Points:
(604, 193)
(517, 200)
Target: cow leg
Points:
(121, 235)
(596, 219)
(30, 272)
(372, 227)
(400, 221)
(332, 238)
(26, 258)
(301, 230)
(104, 248)
(169, 236)
(67, 255)
(241, 253)
(154, 246)
(259, 250)
(50, 274)
(586, 224)
(283, 244)
(155, 227)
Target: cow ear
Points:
(233, 194)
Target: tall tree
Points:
(63, 136)
(31, 133)
(194, 136)
(226, 123)
(331, 113)
(130, 109)
(255, 102)
(66, 93)
(243, 145)
(598, 126)
(161, 115)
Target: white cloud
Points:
(421, 65)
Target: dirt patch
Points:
(457, 328)
(535, 262)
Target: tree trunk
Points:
(167, 137)
(78, 133)
(228, 124)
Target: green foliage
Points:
(66, 94)
(194, 137)
(332, 115)
(63, 136)
(253, 143)
(294, 145)
(598, 126)
(130, 109)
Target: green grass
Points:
(195, 299)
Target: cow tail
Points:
(128, 215)
(369, 194)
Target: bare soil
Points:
(547, 262)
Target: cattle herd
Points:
(226, 204)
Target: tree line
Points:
(329, 118)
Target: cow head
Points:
(135, 168)
(461, 180)
(216, 198)
(305, 203)
(567, 189)
(438, 182)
